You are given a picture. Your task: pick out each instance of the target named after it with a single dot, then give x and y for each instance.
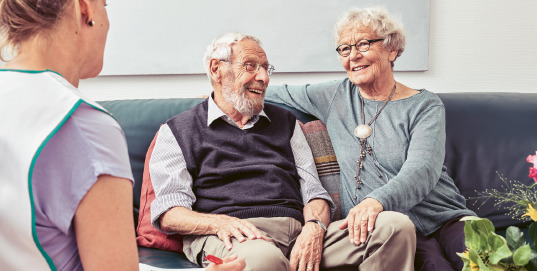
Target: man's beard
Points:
(240, 100)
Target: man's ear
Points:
(215, 70)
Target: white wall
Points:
(475, 46)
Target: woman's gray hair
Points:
(220, 48)
(380, 22)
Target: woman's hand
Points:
(361, 220)
(231, 263)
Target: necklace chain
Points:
(365, 148)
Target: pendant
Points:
(363, 131)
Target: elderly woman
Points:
(388, 138)
(65, 177)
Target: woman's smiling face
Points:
(364, 68)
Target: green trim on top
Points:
(100, 109)
(29, 71)
(30, 175)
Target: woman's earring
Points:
(91, 23)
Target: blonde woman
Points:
(65, 177)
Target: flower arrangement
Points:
(490, 251)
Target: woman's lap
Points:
(438, 251)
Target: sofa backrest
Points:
(486, 133)
(489, 134)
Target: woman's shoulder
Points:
(102, 137)
(422, 96)
(96, 125)
(431, 98)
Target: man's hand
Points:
(306, 254)
(361, 220)
(187, 222)
(227, 227)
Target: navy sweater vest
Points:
(241, 173)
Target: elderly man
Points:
(236, 176)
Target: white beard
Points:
(239, 99)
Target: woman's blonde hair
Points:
(380, 22)
(23, 19)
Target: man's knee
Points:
(262, 255)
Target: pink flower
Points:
(533, 170)
(533, 173)
(532, 159)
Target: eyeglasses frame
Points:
(355, 46)
(270, 68)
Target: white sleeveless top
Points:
(30, 117)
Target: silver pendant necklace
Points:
(363, 131)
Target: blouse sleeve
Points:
(311, 99)
(88, 145)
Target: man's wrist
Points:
(319, 222)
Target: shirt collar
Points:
(214, 112)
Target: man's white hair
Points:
(220, 48)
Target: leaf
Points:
(470, 218)
(515, 238)
(469, 234)
(497, 268)
(521, 256)
(482, 228)
(500, 250)
(485, 225)
(497, 241)
(484, 241)
(465, 260)
(462, 255)
(533, 233)
(474, 257)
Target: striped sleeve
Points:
(169, 176)
(310, 185)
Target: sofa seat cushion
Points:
(163, 259)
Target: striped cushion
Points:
(325, 159)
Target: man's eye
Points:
(250, 66)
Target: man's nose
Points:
(262, 75)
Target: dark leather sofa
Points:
(487, 134)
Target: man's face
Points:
(246, 90)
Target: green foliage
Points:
(533, 233)
(490, 251)
(512, 193)
(521, 256)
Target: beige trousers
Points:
(390, 246)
